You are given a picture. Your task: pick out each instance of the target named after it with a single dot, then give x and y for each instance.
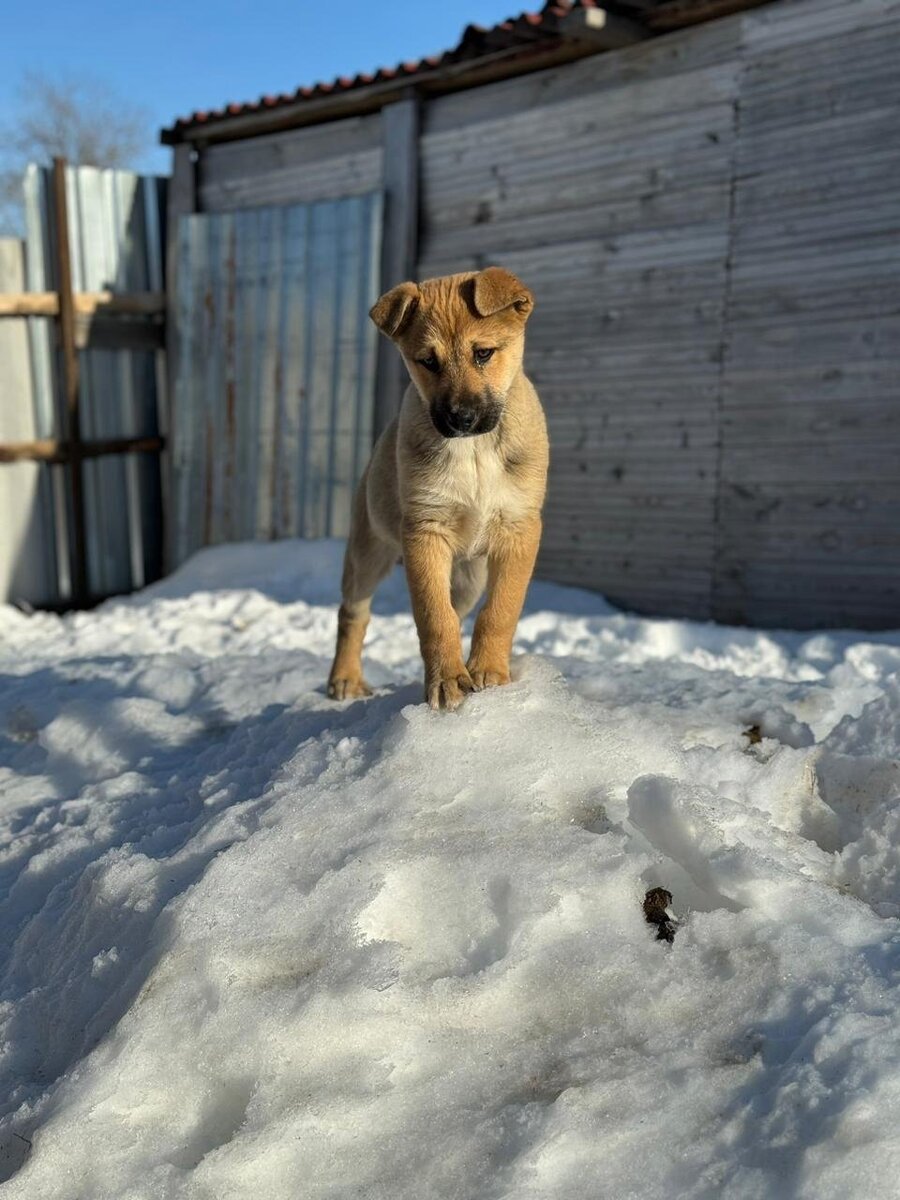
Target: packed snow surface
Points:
(256, 943)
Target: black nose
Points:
(462, 420)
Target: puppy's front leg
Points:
(510, 564)
(428, 558)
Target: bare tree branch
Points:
(76, 116)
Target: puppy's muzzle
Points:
(464, 418)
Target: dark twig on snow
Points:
(656, 903)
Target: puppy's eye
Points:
(482, 356)
(430, 363)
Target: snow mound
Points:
(256, 943)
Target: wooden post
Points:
(400, 239)
(70, 378)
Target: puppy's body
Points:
(455, 484)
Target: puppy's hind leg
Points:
(509, 571)
(468, 580)
(367, 561)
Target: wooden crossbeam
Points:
(53, 450)
(85, 304)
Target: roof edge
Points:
(562, 31)
(358, 101)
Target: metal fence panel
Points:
(27, 564)
(116, 231)
(272, 412)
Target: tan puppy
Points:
(455, 483)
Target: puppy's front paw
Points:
(350, 687)
(447, 686)
(485, 674)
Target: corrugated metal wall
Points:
(273, 403)
(116, 231)
(27, 557)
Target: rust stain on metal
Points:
(208, 484)
(277, 381)
(230, 386)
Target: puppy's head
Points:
(462, 338)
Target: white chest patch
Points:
(475, 487)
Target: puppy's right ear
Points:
(394, 310)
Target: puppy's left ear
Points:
(497, 289)
(393, 311)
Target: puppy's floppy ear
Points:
(497, 289)
(394, 310)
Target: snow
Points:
(258, 943)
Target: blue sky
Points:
(175, 56)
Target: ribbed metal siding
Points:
(27, 561)
(116, 235)
(272, 412)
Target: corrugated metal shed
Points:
(272, 411)
(708, 221)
